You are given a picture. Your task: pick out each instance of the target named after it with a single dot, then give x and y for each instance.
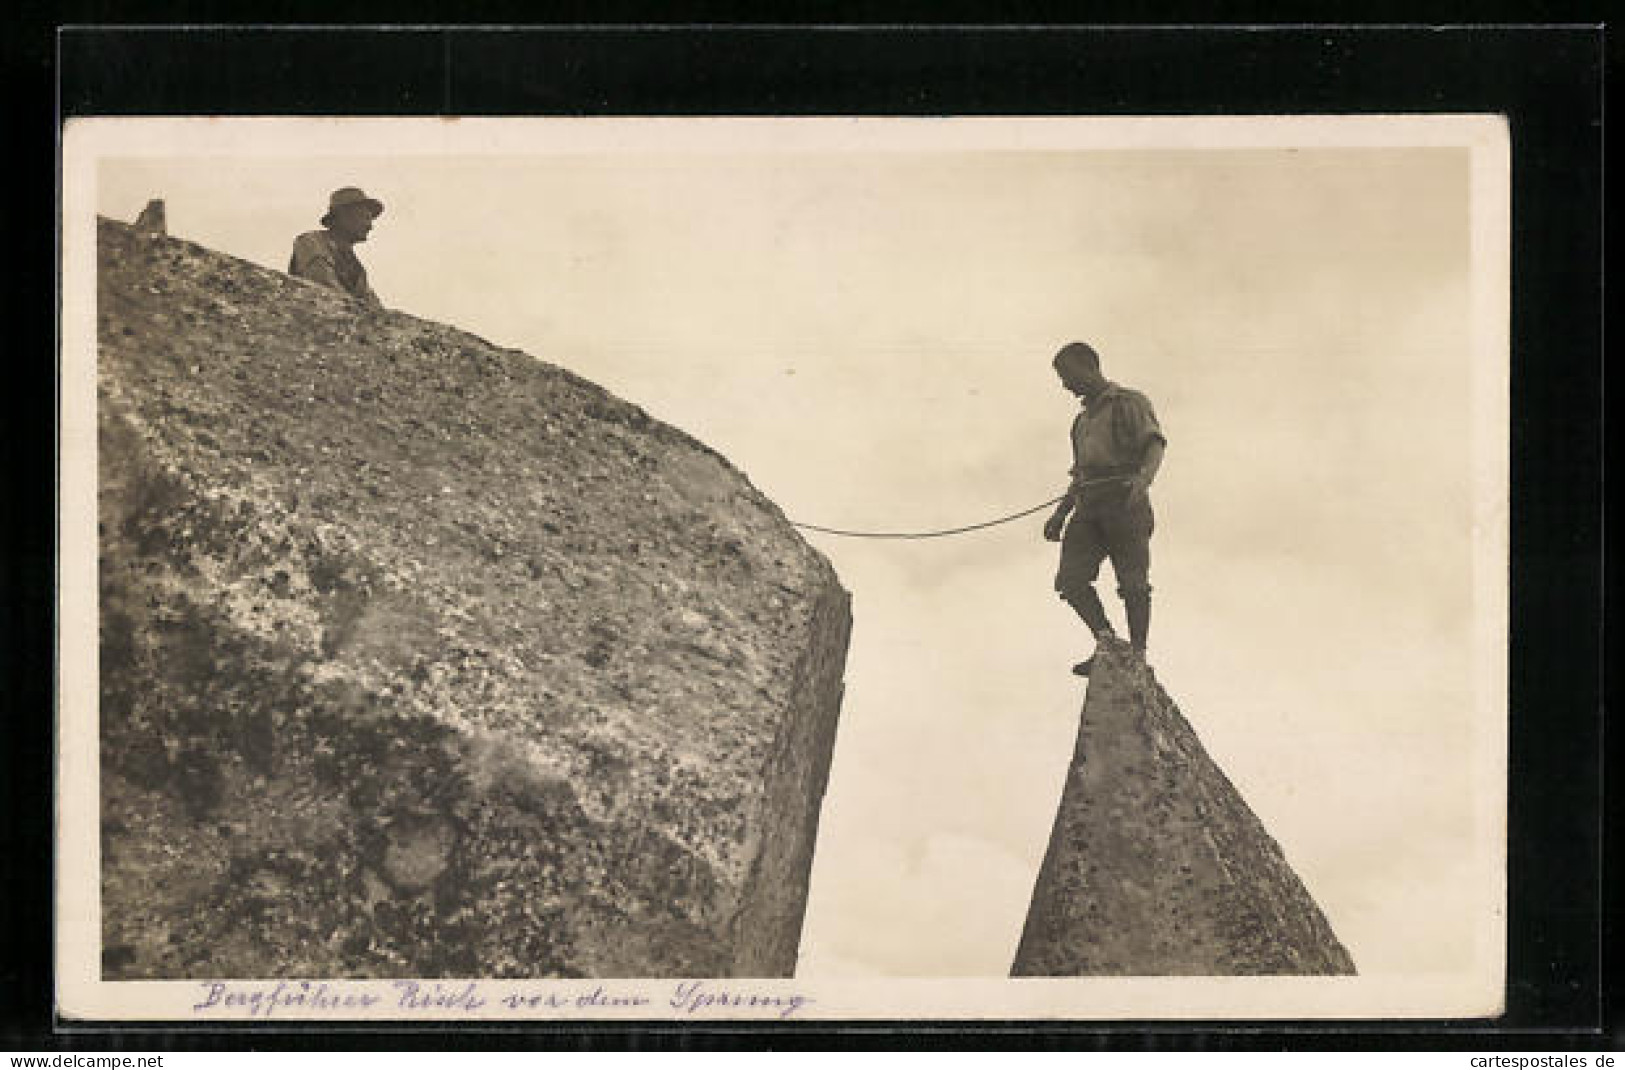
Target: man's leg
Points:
(1129, 542)
(1137, 607)
(1082, 550)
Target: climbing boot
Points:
(1103, 637)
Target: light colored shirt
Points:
(321, 256)
(1110, 435)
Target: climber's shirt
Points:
(323, 257)
(1109, 440)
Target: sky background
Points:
(868, 335)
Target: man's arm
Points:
(1138, 429)
(1140, 485)
(1063, 509)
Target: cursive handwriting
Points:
(692, 997)
(436, 997)
(362, 999)
(262, 1001)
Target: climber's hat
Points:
(350, 195)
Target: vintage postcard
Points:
(783, 569)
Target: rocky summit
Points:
(1156, 866)
(422, 657)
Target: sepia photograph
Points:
(783, 569)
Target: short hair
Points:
(1078, 354)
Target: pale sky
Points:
(867, 336)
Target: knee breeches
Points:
(1121, 535)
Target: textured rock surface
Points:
(1156, 866)
(421, 657)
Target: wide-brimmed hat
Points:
(351, 195)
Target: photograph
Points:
(783, 569)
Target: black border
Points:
(1547, 79)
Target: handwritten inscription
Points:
(262, 1002)
(564, 1001)
(683, 999)
(693, 997)
(412, 996)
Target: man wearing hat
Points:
(328, 256)
(1117, 448)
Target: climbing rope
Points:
(927, 534)
(938, 533)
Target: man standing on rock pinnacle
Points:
(328, 256)
(1117, 447)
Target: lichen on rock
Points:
(421, 657)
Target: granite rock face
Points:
(421, 657)
(1155, 865)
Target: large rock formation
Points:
(421, 657)
(1156, 866)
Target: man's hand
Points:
(1139, 485)
(1057, 521)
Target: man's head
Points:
(350, 213)
(1078, 365)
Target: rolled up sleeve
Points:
(1137, 425)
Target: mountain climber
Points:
(1117, 447)
(328, 256)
